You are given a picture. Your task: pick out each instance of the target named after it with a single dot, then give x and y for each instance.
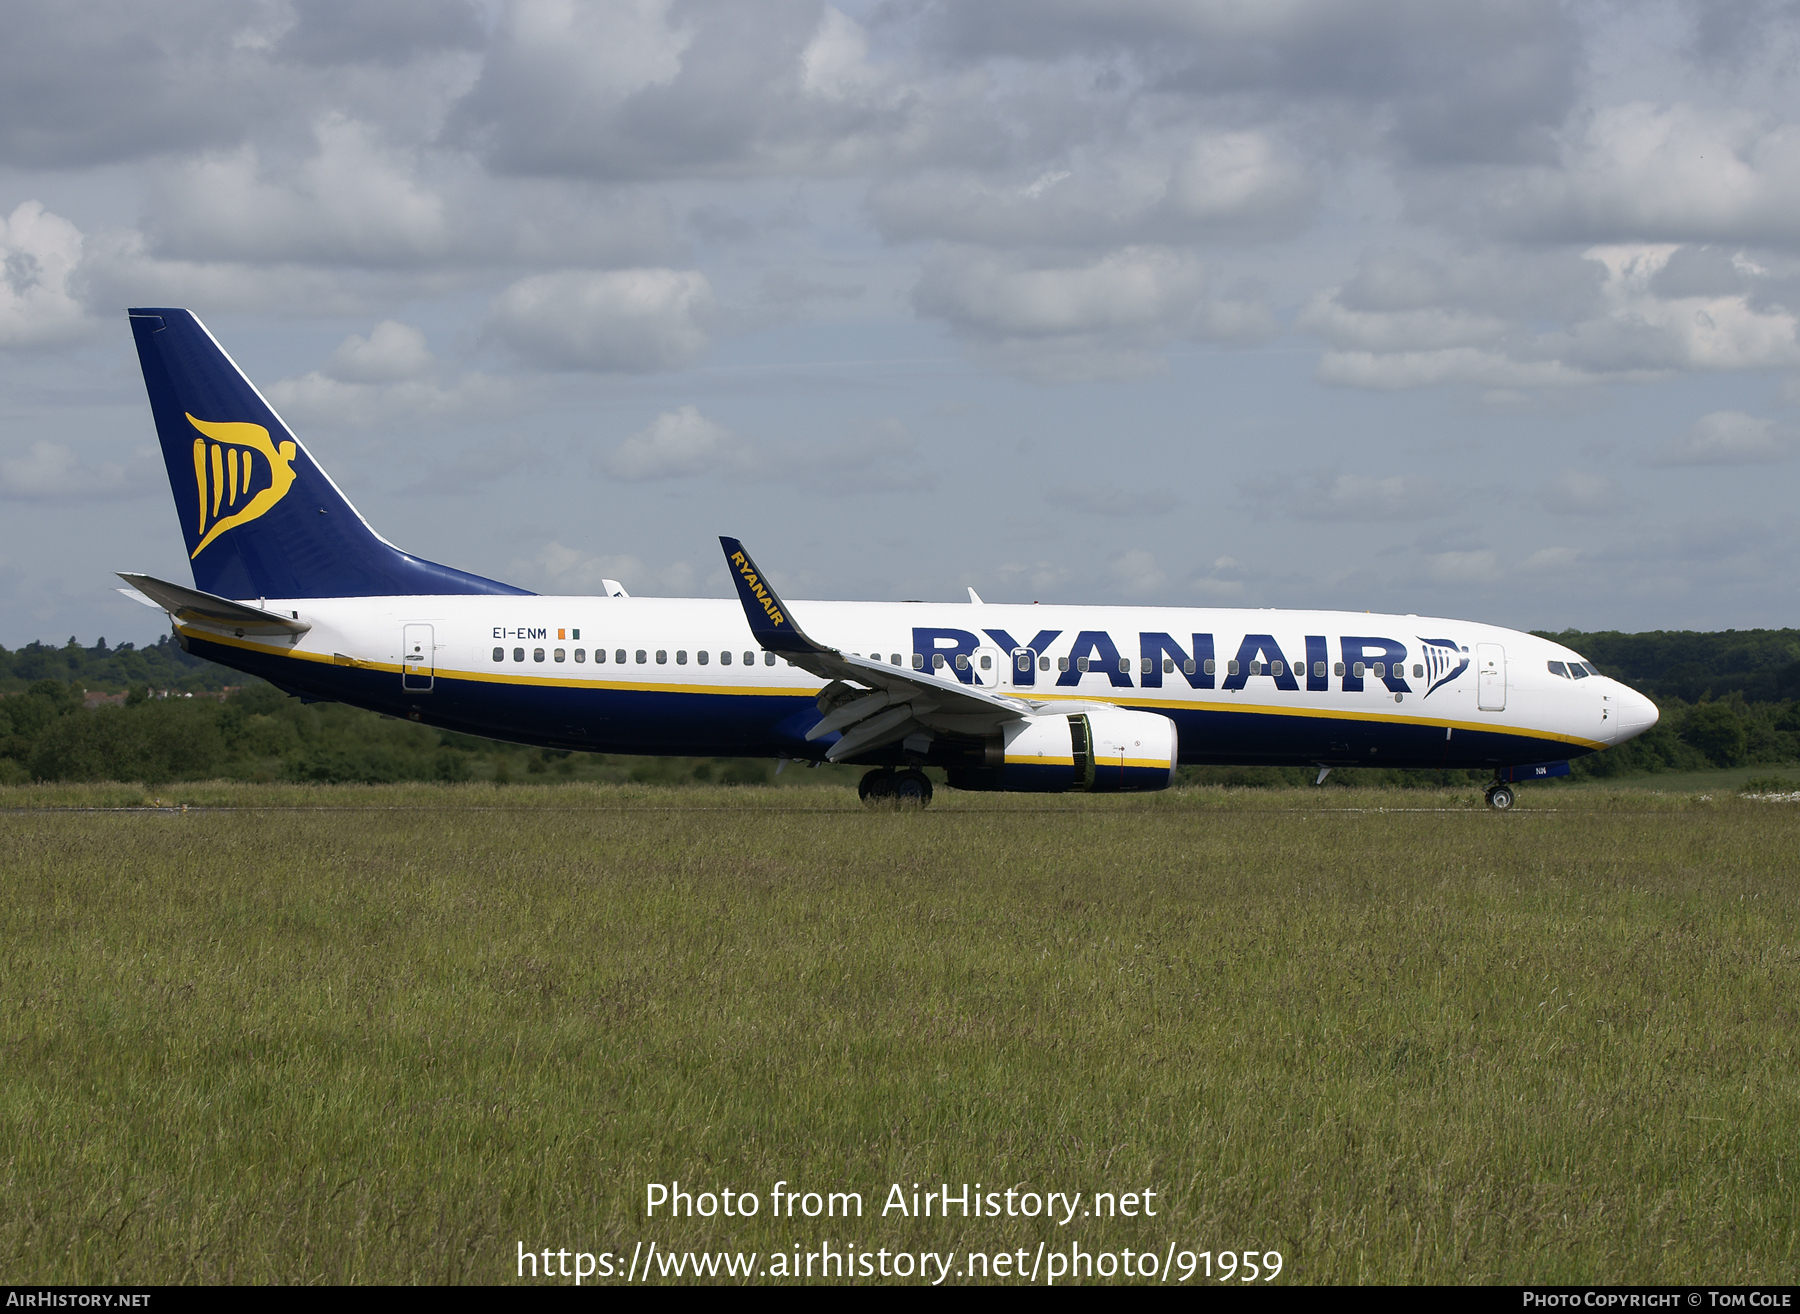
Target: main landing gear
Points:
(1499, 796)
(884, 787)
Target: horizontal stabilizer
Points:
(191, 605)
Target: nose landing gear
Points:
(1499, 796)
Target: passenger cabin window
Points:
(768, 658)
(1187, 667)
(681, 656)
(662, 656)
(918, 661)
(962, 661)
(619, 656)
(1276, 668)
(642, 656)
(750, 659)
(1081, 663)
(1062, 663)
(1124, 666)
(702, 656)
(1338, 670)
(518, 654)
(1358, 670)
(561, 655)
(1418, 671)
(1380, 670)
(725, 658)
(1212, 667)
(1231, 667)
(987, 663)
(894, 659)
(937, 661)
(499, 654)
(1168, 666)
(537, 654)
(1319, 670)
(1043, 663)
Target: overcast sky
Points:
(1484, 309)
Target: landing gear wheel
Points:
(911, 789)
(1499, 797)
(884, 787)
(876, 787)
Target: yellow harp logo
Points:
(227, 469)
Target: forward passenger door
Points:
(1490, 677)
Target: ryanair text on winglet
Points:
(762, 595)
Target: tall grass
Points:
(394, 1041)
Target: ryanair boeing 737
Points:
(291, 584)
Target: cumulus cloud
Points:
(718, 89)
(558, 568)
(51, 472)
(39, 253)
(677, 443)
(1136, 572)
(1182, 187)
(879, 457)
(113, 80)
(1334, 495)
(1580, 493)
(1725, 438)
(1625, 317)
(1642, 172)
(1486, 83)
(392, 352)
(619, 321)
(319, 400)
(1464, 566)
(351, 201)
(387, 377)
(1096, 319)
(330, 32)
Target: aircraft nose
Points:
(1635, 714)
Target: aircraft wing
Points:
(186, 604)
(891, 702)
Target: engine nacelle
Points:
(1103, 751)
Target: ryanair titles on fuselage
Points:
(1320, 662)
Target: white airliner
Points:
(291, 584)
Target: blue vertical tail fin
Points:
(261, 518)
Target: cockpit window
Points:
(1557, 668)
(1591, 668)
(1578, 671)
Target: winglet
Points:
(768, 615)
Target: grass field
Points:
(391, 1034)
